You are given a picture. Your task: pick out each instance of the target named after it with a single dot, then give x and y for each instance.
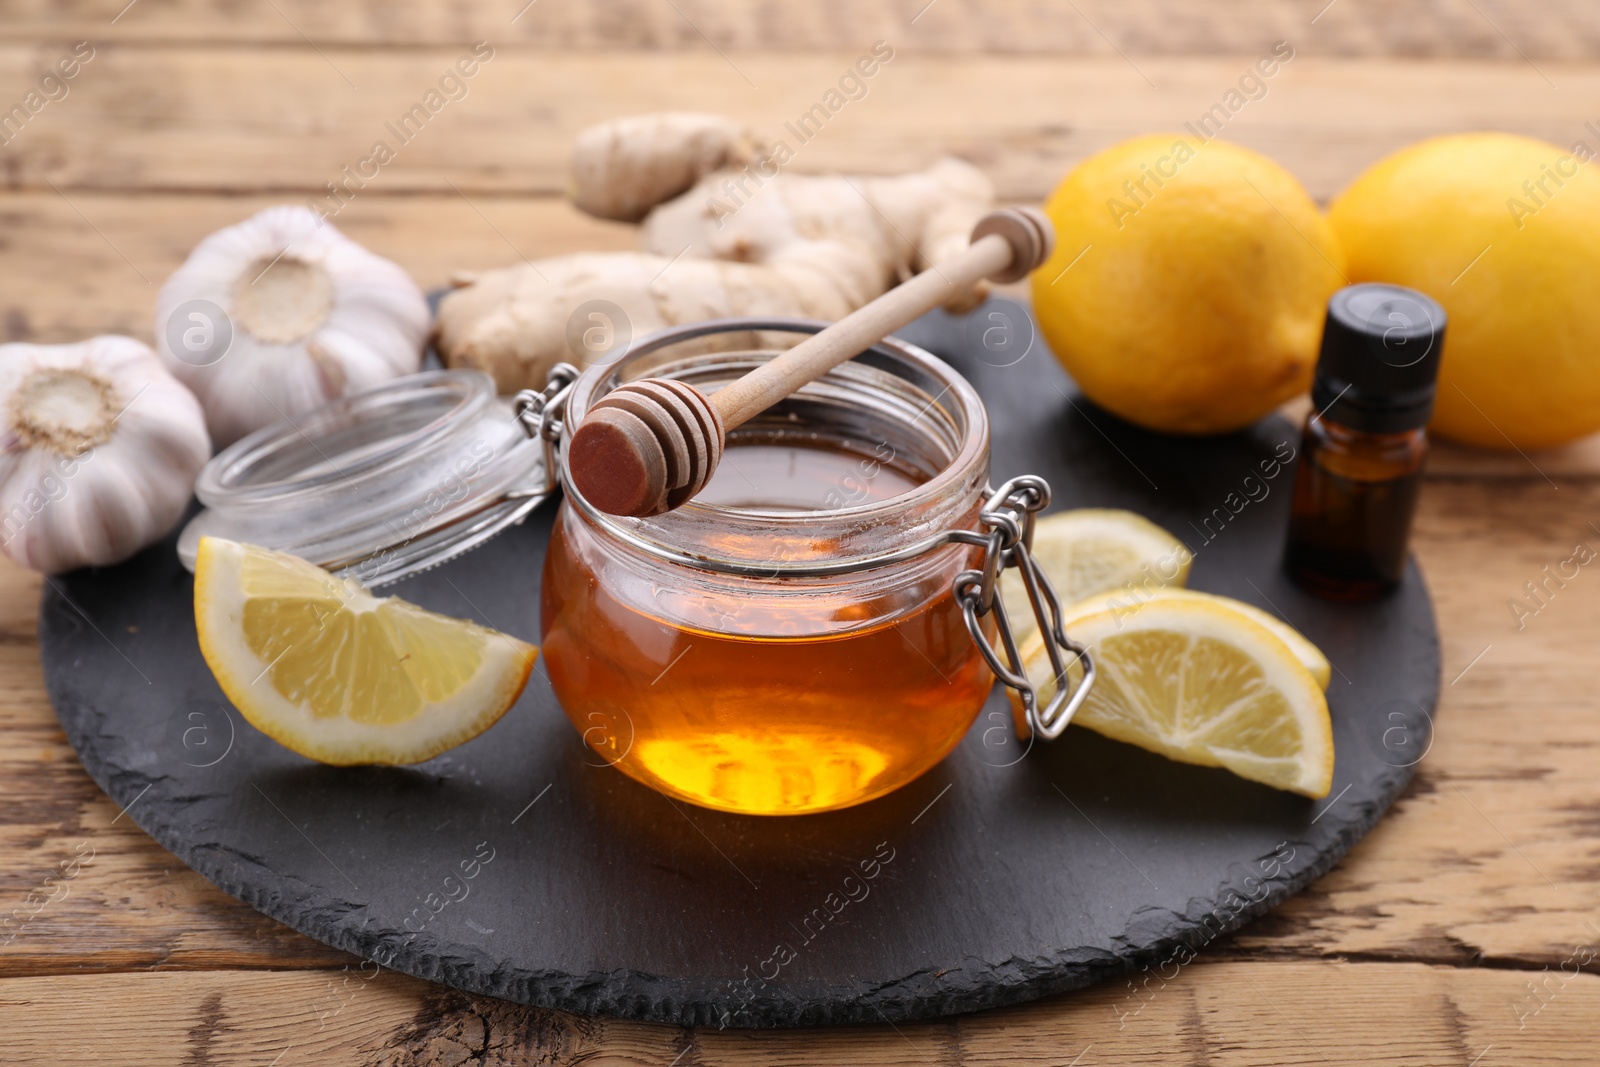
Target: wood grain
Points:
(1433, 942)
(1229, 1013)
(245, 120)
(1549, 29)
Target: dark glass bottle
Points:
(1360, 466)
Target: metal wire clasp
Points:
(1008, 517)
(542, 413)
(541, 410)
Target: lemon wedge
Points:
(325, 668)
(1095, 550)
(1201, 682)
(1124, 604)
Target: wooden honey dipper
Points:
(650, 445)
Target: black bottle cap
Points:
(1380, 358)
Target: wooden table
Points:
(1452, 935)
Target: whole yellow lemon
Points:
(1504, 232)
(1189, 283)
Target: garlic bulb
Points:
(282, 313)
(99, 451)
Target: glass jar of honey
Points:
(791, 640)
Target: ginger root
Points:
(725, 232)
(622, 169)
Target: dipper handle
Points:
(652, 444)
(1002, 242)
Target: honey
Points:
(753, 699)
(790, 639)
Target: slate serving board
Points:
(521, 866)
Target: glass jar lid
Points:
(380, 484)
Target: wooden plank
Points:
(1237, 1014)
(1486, 864)
(209, 125)
(1490, 857)
(1551, 29)
(1293, 1013)
(19, 599)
